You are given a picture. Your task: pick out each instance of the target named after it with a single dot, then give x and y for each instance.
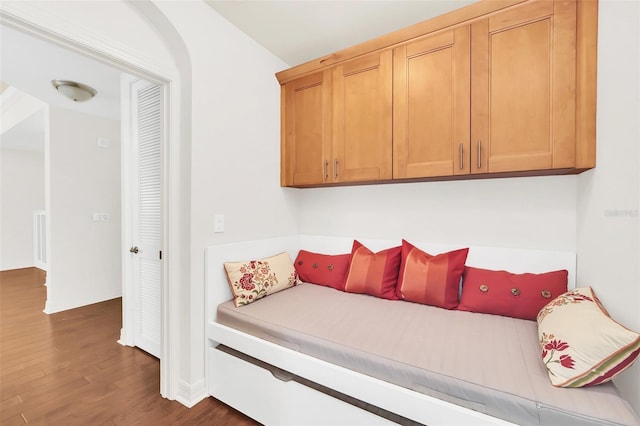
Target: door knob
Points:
(134, 249)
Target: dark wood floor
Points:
(67, 369)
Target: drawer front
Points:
(254, 391)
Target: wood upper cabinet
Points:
(497, 88)
(498, 98)
(337, 124)
(431, 106)
(306, 130)
(523, 89)
(362, 119)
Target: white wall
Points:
(235, 160)
(83, 178)
(21, 192)
(536, 213)
(608, 209)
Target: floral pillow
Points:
(255, 279)
(581, 345)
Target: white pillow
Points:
(254, 279)
(581, 344)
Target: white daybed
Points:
(303, 389)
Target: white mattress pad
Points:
(484, 362)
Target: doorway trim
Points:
(26, 17)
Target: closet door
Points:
(142, 264)
(432, 106)
(522, 87)
(362, 119)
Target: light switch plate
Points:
(218, 223)
(101, 217)
(104, 142)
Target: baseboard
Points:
(52, 307)
(48, 308)
(190, 394)
(16, 268)
(125, 338)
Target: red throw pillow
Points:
(430, 280)
(372, 273)
(510, 295)
(323, 269)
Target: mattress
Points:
(487, 363)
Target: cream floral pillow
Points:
(581, 344)
(254, 279)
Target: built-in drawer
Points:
(257, 392)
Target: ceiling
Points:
(301, 30)
(29, 64)
(295, 31)
(28, 135)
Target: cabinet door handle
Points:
(335, 169)
(326, 169)
(461, 157)
(479, 154)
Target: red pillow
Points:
(510, 295)
(372, 273)
(430, 280)
(323, 269)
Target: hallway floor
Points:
(68, 369)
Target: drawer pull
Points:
(461, 157)
(281, 375)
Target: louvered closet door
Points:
(147, 122)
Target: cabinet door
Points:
(523, 88)
(306, 132)
(432, 106)
(362, 119)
